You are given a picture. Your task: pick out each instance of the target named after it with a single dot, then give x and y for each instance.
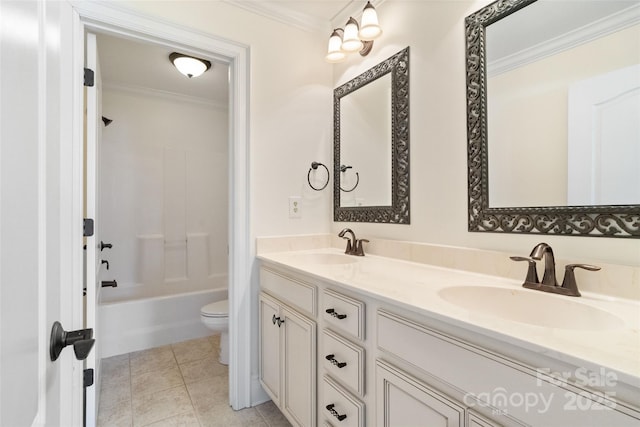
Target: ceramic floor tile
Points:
(153, 407)
(224, 416)
(203, 369)
(189, 351)
(117, 415)
(153, 381)
(272, 415)
(184, 420)
(209, 392)
(114, 390)
(153, 359)
(114, 368)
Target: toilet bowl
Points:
(215, 316)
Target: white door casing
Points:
(104, 17)
(40, 241)
(93, 253)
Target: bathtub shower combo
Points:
(165, 212)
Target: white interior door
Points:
(93, 254)
(37, 237)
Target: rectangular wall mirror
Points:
(553, 101)
(371, 144)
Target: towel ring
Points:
(314, 166)
(343, 169)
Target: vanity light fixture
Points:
(354, 37)
(189, 65)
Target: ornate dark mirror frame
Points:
(603, 221)
(398, 212)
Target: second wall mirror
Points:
(371, 144)
(553, 91)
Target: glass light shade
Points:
(369, 28)
(350, 40)
(335, 52)
(190, 67)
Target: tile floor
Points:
(176, 385)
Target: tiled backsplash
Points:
(614, 280)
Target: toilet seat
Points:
(216, 309)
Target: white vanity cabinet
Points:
(509, 392)
(410, 369)
(288, 348)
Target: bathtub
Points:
(137, 317)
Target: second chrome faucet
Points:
(354, 245)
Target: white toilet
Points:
(215, 316)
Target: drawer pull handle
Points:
(332, 312)
(331, 358)
(277, 320)
(335, 413)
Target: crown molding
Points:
(603, 27)
(165, 95)
(277, 12)
(352, 9)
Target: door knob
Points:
(104, 245)
(82, 341)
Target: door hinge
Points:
(87, 227)
(87, 378)
(88, 77)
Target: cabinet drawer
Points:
(340, 407)
(344, 361)
(298, 294)
(344, 313)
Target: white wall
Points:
(163, 188)
(435, 32)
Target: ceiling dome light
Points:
(369, 27)
(188, 65)
(350, 41)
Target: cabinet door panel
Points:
(299, 357)
(269, 348)
(404, 401)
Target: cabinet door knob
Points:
(331, 409)
(331, 358)
(332, 312)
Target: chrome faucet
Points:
(354, 246)
(549, 283)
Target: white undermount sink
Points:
(322, 258)
(531, 307)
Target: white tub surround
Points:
(541, 335)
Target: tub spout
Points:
(109, 284)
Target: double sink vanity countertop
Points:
(592, 330)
